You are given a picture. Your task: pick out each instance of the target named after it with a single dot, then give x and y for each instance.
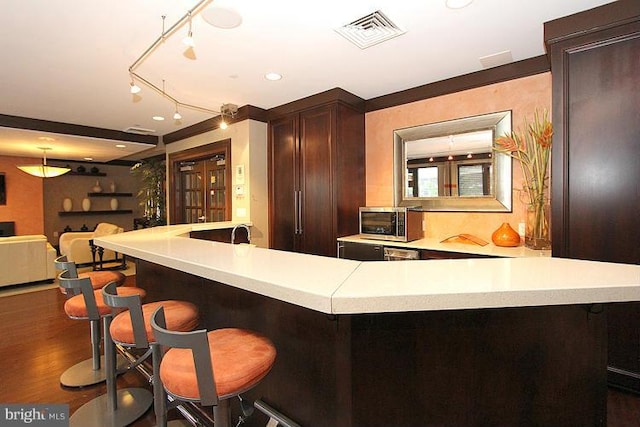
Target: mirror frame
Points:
(501, 201)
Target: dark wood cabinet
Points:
(595, 63)
(316, 177)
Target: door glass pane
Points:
(192, 193)
(217, 189)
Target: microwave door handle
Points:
(396, 224)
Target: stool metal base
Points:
(82, 374)
(132, 404)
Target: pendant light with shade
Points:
(43, 170)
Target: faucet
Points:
(233, 233)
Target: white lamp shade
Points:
(43, 171)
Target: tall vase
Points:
(86, 204)
(538, 229)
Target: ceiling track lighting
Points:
(229, 110)
(187, 18)
(134, 87)
(43, 170)
(188, 40)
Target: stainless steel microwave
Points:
(398, 224)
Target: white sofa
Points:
(25, 259)
(75, 244)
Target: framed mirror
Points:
(451, 166)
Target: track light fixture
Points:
(134, 87)
(177, 115)
(231, 109)
(188, 40)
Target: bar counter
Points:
(467, 342)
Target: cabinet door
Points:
(595, 187)
(318, 214)
(283, 183)
(604, 151)
(360, 251)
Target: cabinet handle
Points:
(295, 211)
(300, 212)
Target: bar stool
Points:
(99, 278)
(211, 367)
(132, 329)
(112, 409)
(90, 371)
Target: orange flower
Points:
(507, 143)
(543, 134)
(532, 149)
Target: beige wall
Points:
(24, 196)
(521, 96)
(249, 149)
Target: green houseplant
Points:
(151, 174)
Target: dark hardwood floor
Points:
(38, 342)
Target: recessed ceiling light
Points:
(221, 17)
(158, 118)
(273, 76)
(121, 146)
(46, 138)
(89, 159)
(458, 4)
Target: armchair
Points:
(77, 245)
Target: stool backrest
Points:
(198, 343)
(62, 264)
(134, 304)
(77, 285)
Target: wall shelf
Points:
(103, 212)
(109, 194)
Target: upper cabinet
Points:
(316, 177)
(595, 64)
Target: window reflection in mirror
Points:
(450, 166)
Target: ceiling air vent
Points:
(139, 131)
(370, 30)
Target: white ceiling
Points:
(68, 60)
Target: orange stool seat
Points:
(182, 316)
(100, 279)
(241, 358)
(76, 308)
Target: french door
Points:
(199, 185)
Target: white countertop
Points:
(436, 245)
(339, 286)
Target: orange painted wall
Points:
(521, 96)
(24, 196)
